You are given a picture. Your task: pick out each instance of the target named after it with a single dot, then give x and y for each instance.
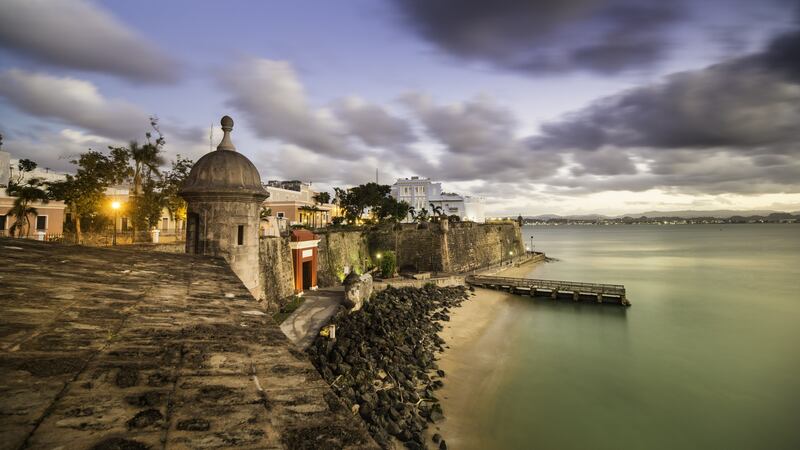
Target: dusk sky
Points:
(557, 106)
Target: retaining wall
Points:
(452, 248)
(339, 250)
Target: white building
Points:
(422, 192)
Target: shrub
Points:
(388, 264)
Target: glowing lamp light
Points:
(378, 256)
(510, 253)
(115, 205)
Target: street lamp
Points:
(532, 247)
(115, 206)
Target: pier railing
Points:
(599, 291)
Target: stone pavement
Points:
(113, 349)
(303, 325)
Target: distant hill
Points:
(690, 214)
(686, 214)
(573, 217)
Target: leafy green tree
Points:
(392, 210)
(147, 160)
(170, 184)
(147, 206)
(84, 192)
(26, 191)
(355, 201)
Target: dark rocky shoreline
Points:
(382, 365)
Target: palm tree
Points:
(145, 158)
(322, 197)
(146, 161)
(436, 211)
(22, 208)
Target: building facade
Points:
(49, 218)
(422, 193)
(293, 202)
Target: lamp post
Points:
(532, 248)
(511, 255)
(115, 206)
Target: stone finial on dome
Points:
(227, 126)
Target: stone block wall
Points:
(458, 247)
(340, 249)
(454, 248)
(275, 270)
(468, 246)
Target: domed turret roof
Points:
(224, 171)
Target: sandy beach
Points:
(476, 360)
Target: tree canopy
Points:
(374, 197)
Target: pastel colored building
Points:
(293, 201)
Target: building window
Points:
(124, 224)
(240, 235)
(41, 223)
(2, 223)
(164, 223)
(280, 215)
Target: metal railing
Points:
(555, 285)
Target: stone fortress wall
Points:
(340, 252)
(453, 248)
(275, 270)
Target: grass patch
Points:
(287, 309)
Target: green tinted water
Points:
(708, 356)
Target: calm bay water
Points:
(708, 356)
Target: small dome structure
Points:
(224, 172)
(223, 194)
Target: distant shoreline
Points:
(654, 223)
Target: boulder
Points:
(357, 290)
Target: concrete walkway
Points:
(316, 311)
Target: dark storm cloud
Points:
(731, 127)
(751, 104)
(731, 105)
(78, 35)
(605, 36)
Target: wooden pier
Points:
(599, 293)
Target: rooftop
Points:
(107, 348)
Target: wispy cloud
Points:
(77, 34)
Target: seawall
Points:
(442, 248)
(451, 248)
